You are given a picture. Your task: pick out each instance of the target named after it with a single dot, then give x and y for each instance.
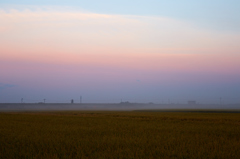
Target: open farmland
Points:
(99, 134)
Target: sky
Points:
(110, 51)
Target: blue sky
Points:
(193, 9)
(214, 14)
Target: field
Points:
(133, 134)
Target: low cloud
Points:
(6, 86)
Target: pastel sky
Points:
(108, 51)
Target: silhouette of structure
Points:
(192, 102)
(72, 101)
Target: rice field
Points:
(83, 134)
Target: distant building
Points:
(192, 102)
(72, 101)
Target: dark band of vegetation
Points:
(119, 135)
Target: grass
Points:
(119, 135)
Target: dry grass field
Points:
(82, 134)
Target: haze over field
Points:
(107, 51)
